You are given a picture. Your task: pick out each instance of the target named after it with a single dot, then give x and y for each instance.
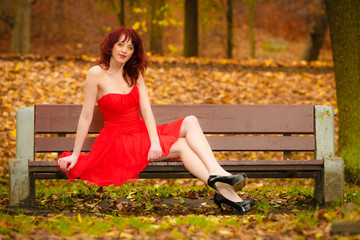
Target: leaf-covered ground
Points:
(169, 209)
(177, 209)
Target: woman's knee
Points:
(189, 123)
(191, 120)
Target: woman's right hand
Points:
(67, 163)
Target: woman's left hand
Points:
(155, 152)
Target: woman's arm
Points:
(90, 93)
(155, 151)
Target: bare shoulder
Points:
(95, 71)
(94, 74)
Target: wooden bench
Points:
(285, 128)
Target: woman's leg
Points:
(196, 167)
(191, 130)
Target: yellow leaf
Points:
(144, 26)
(135, 26)
(319, 235)
(161, 102)
(126, 235)
(225, 232)
(13, 133)
(17, 67)
(84, 57)
(79, 217)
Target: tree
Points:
(20, 36)
(118, 7)
(4, 14)
(156, 32)
(191, 29)
(251, 5)
(229, 28)
(344, 24)
(316, 31)
(57, 22)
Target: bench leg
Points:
(329, 185)
(19, 183)
(32, 190)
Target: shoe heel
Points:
(218, 202)
(240, 185)
(220, 206)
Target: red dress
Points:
(120, 152)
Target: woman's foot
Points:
(237, 181)
(240, 206)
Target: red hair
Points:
(136, 64)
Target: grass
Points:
(283, 209)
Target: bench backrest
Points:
(284, 128)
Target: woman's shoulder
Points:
(94, 75)
(95, 70)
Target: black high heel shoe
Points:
(238, 181)
(240, 207)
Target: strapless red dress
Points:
(120, 151)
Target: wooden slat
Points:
(244, 165)
(217, 143)
(254, 169)
(63, 118)
(213, 118)
(290, 174)
(55, 144)
(148, 175)
(261, 143)
(243, 118)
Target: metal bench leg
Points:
(329, 185)
(19, 183)
(318, 188)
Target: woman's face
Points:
(122, 50)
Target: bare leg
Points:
(196, 167)
(197, 141)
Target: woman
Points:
(130, 138)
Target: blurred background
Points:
(260, 29)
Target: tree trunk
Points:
(344, 24)
(56, 25)
(229, 28)
(20, 37)
(4, 14)
(251, 6)
(316, 31)
(156, 31)
(119, 9)
(121, 13)
(191, 29)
